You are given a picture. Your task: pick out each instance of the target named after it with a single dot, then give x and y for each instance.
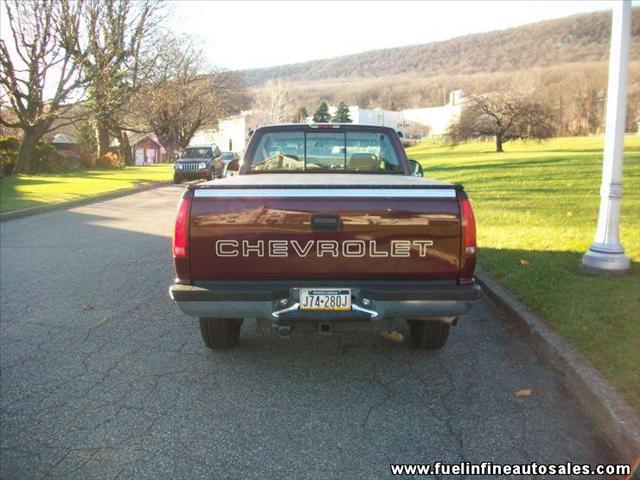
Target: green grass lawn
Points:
(25, 191)
(536, 207)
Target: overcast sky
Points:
(241, 35)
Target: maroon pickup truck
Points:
(325, 228)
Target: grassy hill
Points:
(575, 39)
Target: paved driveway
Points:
(102, 376)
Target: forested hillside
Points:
(562, 63)
(575, 39)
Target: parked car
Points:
(326, 228)
(220, 164)
(196, 162)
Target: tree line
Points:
(110, 67)
(575, 93)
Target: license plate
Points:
(325, 299)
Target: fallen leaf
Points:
(393, 336)
(87, 307)
(523, 393)
(524, 262)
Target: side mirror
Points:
(232, 168)
(400, 134)
(416, 168)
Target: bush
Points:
(111, 160)
(88, 160)
(8, 153)
(46, 159)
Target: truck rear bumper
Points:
(373, 301)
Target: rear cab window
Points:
(325, 151)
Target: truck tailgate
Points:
(346, 233)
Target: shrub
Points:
(111, 160)
(88, 160)
(46, 159)
(8, 152)
(75, 162)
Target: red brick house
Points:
(146, 150)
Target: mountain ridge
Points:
(573, 39)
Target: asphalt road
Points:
(103, 377)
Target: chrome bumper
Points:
(277, 302)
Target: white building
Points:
(233, 132)
(437, 119)
(372, 116)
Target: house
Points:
(146, 149)
(66, 145)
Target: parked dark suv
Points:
(196, 162)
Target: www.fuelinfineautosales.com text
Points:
(489, 468)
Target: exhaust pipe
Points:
(283, 331)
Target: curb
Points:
(616, 418)
(27, 212)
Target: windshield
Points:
(228, 156)
(366, 152)
(200, 152)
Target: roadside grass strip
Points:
(25, 191)
(536, 206)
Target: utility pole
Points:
(606, 253)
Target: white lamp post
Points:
(606, 253)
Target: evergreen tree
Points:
(301, 115)
(342, 114)
(322, 113)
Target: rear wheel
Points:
(428, 334)
(219, 333)
(177, 179)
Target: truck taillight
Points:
(181, 237)
(468, 241)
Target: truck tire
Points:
(177, 179)
(219, 333)
(428, 334)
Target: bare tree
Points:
(274, 101)
(42, 77)
(182, 98)
(114, 47)
(502, 115)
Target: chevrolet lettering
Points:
(321, 248)
(325, 228)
